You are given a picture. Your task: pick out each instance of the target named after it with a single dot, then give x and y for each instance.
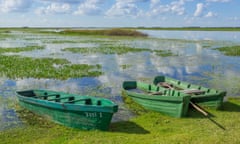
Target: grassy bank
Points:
(149, 127)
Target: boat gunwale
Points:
(155, 97)
(70, 106)
(217, 93)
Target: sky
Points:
(119, 13)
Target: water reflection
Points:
(8, 117)
(195, 62)
(195, 35)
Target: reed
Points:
(106, 32)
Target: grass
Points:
(20, 49)
(25, 67)
(230, 51)
(149, 127)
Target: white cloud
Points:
(175, 7)
(62, 1)
(199, 10)
(125, 8)
(54, 8)
(90, 7)
(218, 0)
(235, 18)
(14, 5)
(210, 14)
(178, 7)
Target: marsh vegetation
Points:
(96, 62)
(230, 50)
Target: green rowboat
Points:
(152, 97)
(199, 95)
(83, 112)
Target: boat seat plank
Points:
(193, 91)
(57, 95)
(87, 100)
(58, 99)
(156, 93)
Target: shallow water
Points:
(194, 61)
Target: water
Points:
(196, 61)
(195, 35)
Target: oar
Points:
(198, 108)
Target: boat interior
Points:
(62, 98)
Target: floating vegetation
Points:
(24, 67)
(107, 49)
(20, 49)
(230, 51)
(106, 32)
(125, 66)
(163, 53)
(63, 41)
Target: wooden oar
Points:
(166, 85)
(199, 109)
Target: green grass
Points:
(25, 67)
(230, 51)
(20, 49)
(149, 127)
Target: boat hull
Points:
(169, 102)
(77, 115)
(207, 97)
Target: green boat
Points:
(152, 97)
(83, 112)
(200, 95)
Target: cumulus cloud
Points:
(14, 5)
(218, 0)
(199, 10)
(54, 8)
(125, 8)
(62, 1)
(210, 14)
(175, 7)
(90, 7)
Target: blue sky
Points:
(119, 13)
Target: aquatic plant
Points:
(25, 67)
(110, 49)
(20, 49)
(230, 50)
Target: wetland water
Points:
(194, 59)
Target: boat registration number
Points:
(93, 114)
